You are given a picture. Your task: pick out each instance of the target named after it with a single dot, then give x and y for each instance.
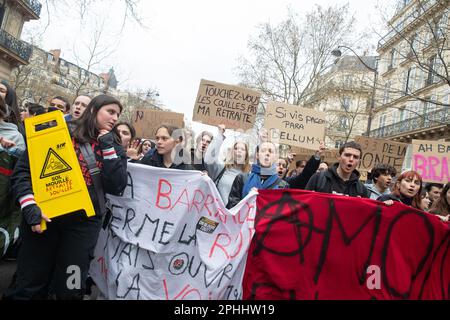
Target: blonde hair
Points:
(230, 162)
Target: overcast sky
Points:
(185, 40)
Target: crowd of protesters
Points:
(97, 133)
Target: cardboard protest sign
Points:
(294, 125)
(316, 246)
(329, 156)
(146, 121)
(431, 159)
(58, 184)
(170, 237)
(219, 103)
(377, 151)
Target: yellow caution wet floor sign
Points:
(58, 184)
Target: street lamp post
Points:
(337, 53)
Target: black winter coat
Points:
(334, 184)
(154, 159)
(300, 181)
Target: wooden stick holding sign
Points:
(294, 125)
(146, 121)
(431, 159)
(219, 103)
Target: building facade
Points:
(344, 93)
(48, 75)
(13, 51)
(413, 91)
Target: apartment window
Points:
(431, 71)
(382, 122)
(346, 103)
(431, 105)
(426, 38)
(403, 114)
(413, 45)
(392, 57)
(2, 13)
(395, 117)
(344, 123)
(338, 144)
(441, 26)
(348, 80)
(387, 88)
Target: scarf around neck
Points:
(254, 179)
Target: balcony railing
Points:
(429, 120)
(402, 24)
(34, 5)
(16, 46)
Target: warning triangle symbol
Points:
(53, 165)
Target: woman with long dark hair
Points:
(45, 258)
(9, 95)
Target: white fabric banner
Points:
(170, 237)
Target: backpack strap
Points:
(217, 179)
(95, 173)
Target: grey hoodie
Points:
(374, 192)
(10, 132)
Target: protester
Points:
(299, 181)
(35, 109)
(78, 108)
(323, 166)
(24, 113)
(441, 206)
(434, 190)
(61, 104)
(282, 165)
(425, 201)
(45, 257)
(198, 154)
(407, 190)
(9, 96)
(222, 172)
(12, 145)
(342, 177)
(145, 146)
(168, 145)
(382, 175)
(126, 132)
(299, 166)
(263, 175)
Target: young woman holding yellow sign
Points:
(48, 259)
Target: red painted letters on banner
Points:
(318, 246)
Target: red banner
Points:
(321, 246)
